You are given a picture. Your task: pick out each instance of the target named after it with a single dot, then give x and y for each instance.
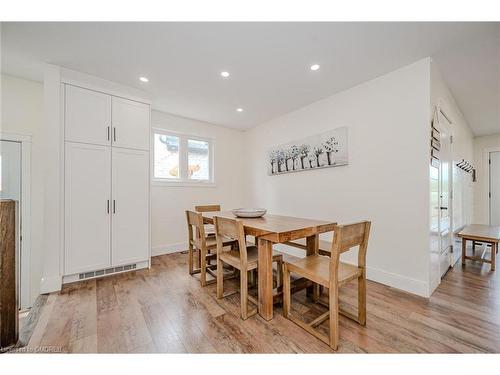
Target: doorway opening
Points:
(494, 193)
(15, 156)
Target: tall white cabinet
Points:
(106, 183)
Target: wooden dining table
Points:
(274, 229)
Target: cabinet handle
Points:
(114, 134)
(108, 133)
(114, 206)
(108, 206)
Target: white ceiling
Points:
(269, 62)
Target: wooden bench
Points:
(480, 234)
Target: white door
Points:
(130, 124)
(87, 116)
(495, 188)
(445, 188)
(130, 219)
(87, 232)
(10, 188)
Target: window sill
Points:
(162, 183)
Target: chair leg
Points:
(279, 274)
(220, 278)
(316, 293)
(244, 294)
(362, 300)
(251, 278)
(334, 317)
(190, 259)
(203, 271)
(286, 292)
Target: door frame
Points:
(486, 171)
(441, 112)
(25, 301)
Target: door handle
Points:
(114, 134)
(108, 206)
(108, 133)
(443, 208)
(114, 206)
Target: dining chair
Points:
(205, 247)
(209, 228)
(242, 257)
(329, 272)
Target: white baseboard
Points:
(418, 287)
(169, 249)
(50, 284)
(393, 280)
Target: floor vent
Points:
(107, 271)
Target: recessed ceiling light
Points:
(315, 67)
(224, 74)
(239, 109)
(143, 79)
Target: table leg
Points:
(464, 244)
(312, 244)
(265, 249)
(493, 255)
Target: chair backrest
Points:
(207, 208)
(196, 229)
(346, 237)
(231, 229)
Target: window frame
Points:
(183, 179)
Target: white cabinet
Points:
(87, 116)
(130, 220)
(87, 234)
(130, 124)
(106, 183)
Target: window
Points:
(166, 156)
(180, 158)
(198, 160)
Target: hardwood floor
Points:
(166, 310)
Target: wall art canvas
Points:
(324, 150)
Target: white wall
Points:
(386, 179)
(169, 230)
(482, 146)
(22, 113)
(462, 148)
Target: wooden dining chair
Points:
(207, 208)
(209, 228)
(204, 246)
(329, 272)
(242, 257)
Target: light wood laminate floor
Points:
(165, 310)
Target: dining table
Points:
(275, 229)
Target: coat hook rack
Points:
(467, 167)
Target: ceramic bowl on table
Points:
(249, 212)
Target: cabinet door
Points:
(87, 207)
(87, 116)
(130, 124)
(130, 219)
